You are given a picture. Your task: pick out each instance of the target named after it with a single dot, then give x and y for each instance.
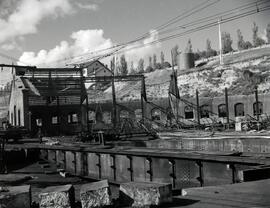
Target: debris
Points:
(57, 196)
(95, 194)
(139, 194)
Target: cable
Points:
(207, 19)
(214, 17)
(244, 7)
(196, 29)
(172, 21)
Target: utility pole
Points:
(220, 42)
(198, 108)
(227, 107)
(113, 94)
(257, 107)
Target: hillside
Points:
(240, 73)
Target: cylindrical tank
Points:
(185, 61)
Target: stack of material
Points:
(139, 194)
(95, 194)
(57, 197)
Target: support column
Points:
(142, 98)
(257, 107)
(114, 104)
(113, 95)
(198, 108)
(227, 107)
(87, 113)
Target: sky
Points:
(46, 32)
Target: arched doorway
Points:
(239, 109)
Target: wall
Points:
(63, 127)
(247, 100)
(18, 100)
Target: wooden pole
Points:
(82, 97)
(220, 42)
(113, 95)
(142, 99)
(257, 106)
(227, 107)
(87, 112)
(198, 108)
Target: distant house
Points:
(96, 68)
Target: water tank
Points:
(185, 61)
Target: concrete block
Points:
(15, 197)
(95, 194)
(142, 194)
(57, 197)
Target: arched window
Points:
(239, 109)
(138, 114)
(91, 116)
(107, 117)
(205, 109)
(19, 117)
(124, 114)
(189, 112)
(99, 116)
(260, 108)
(222, 110)
(156, 114)
(15, 118)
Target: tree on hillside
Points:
(154, 61)
(240, 40)
(175, 54)
(226, 42)
(149, 69)
(268, 33)
(132, 70)
(141, 66)
(188, 47)
(162, 58)
(209, 51)
(123, 65)
(150, 61)
(241, 44)
(248, 45)
(257, 41)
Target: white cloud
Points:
(83, 41)
(92, 7)
(25, 18)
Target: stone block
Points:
(144, 194)
(57, 197)
(15, 197)
(95, 194)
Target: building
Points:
(96, 68)
(50, 99)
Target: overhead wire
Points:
(206, 19)
(199, 28)
(180, 17)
